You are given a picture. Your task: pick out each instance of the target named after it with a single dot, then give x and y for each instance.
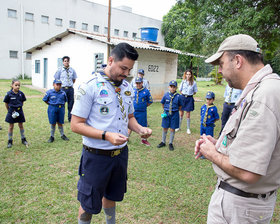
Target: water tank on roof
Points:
(149, 33)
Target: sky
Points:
(151, 8)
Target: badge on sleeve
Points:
(127, 93)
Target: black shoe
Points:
(23, 141)
(64, 138)
(160, 145)
(0, 128)
(10, 143)
(171, 148)
(51, 139)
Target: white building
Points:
(87, 51)
(26, 23)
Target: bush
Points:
(216, 77)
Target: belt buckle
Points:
(115, 153)
(66, 87)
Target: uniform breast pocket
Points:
(104, 105)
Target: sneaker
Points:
(171, 147)
(145, 142)
(188, 131)
(0, 128)
(160, 145)
(177, 129)
(23, 141)
(10, 143)
(51, 139)
(64, 138)
(202, 157)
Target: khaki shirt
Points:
(251, 135)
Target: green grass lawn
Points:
(38, 184)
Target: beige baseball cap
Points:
(235, 42)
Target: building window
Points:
(37, 66)
(12, 13)
(105, 30)
(59, 63)
(134, 35)
(13, 54)
(125, 33)
(72, 24)
(116, 32)
(44, 19)
(84, 26)
(96, 28)
(58, 21)
(29, 16)
(28, 55)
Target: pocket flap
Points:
(84, 187)
(104, 100)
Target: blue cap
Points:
(57, 81)
(173, 83)
(138, 79)
(141, 71)
(210, 95)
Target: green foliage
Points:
(200, 26)
(216, 76)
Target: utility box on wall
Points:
(99, 60)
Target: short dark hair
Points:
(66, 57)
(124, 50)
(252, 57)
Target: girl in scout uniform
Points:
(187, 88)
(14, 102)
(171, 103)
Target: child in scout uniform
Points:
(209, 115)
(56, 99)
(171, 103)
(142, 99)
(14, 102)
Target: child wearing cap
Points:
(141, 74)
(209, 115)
(142, 99)
(171, 103)
(56, 99)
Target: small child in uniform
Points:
(142, 99)
(14, 102)
(171, 103)
(56, 99)
(209, 115)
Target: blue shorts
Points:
(56, 114)
(101, 176)
(171, 121)
(19, 119)
(208, 130)
(141, 117)
(188, 103)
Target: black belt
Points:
(67, 87)
(229, 103)
(186, 95)
(57, 105)
(111, 153)
(241, 193)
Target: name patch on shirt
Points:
(104, 110)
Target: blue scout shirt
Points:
(187, 89)
(55, 98)
(142, 98)
(14, 99)
(66, 75)
(176, 102)
(212, 114)
(97, 102)
(231, 94)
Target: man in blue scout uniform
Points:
(209, 115)
(56, 99)
(142, 99)
(68, 76)
(171, 104)
(141, 74)
(231, 96)
(102, 113)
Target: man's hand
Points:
(198, 144)
(115, 138)
(207, 148)
(145, 132)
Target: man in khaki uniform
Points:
(246, 157)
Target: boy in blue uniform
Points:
(142, 99)
(171, 103)
(56, 99)
(209, 115)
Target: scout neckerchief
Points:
(118, 91)
(171, 98)
(137, 94)
(206, 114)
(68, 76)
(229, 97)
